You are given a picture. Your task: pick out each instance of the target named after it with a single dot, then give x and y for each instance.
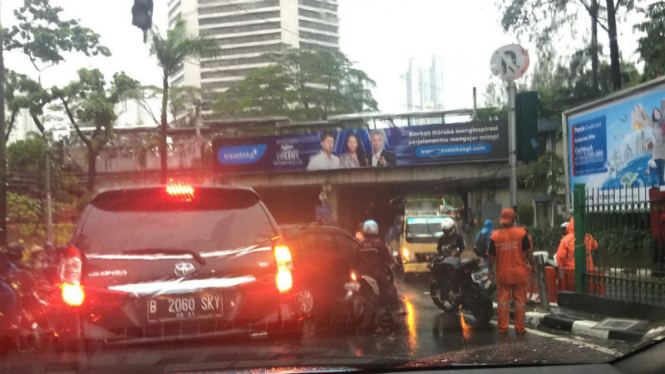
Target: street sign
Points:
(323, 212)
(509, 62)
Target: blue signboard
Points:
(359, 148)
(620, 145)
(590, 144)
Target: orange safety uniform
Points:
(508, 245)
(565, 255)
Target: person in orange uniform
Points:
(565, 255)
(508, 250)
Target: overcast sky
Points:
(380, 35)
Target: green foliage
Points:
(36, 234)
(27, 156)
(91, 101)
(651, 46)
(43, 36)
(545, 174)
(300, 84)
(525, 214)
(178, 45)
(564, 85)
(23, 209)
(545, 238)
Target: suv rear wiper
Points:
(149, 251)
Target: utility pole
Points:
(512, 142)
(3, 140)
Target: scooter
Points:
(454, 286)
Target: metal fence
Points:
(621, 233)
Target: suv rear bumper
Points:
(78, 324)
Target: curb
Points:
(579, 327)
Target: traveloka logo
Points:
(246, 154)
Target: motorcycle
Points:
(366, 302)
(454, 285)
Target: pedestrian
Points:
(482, 242)
(508, 250)
(565, 256)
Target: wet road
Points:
(425, 337)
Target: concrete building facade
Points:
(248, 29)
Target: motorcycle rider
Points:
(451, 242)
(374, 260)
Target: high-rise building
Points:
(23, 126)
(424, 85)
(248, 29)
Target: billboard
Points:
(362, 148)
(619, 145)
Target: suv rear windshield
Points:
(215, 219)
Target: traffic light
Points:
(527, 126)
(142, 16)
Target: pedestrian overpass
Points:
(352, 194)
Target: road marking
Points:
(426, 293)
(570, 341)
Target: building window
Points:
(178, 81)
(240, 29)
(253, 49)
(313, 47)
(239, 7)
(319, 4)
(239, 18)
(317, 26)
(249, 39)
(234, 62)
(218, 85)
(319, 37)
(324, 16)
(175, 9)
(226, 73)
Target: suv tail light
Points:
(70, 275)
(284, 278)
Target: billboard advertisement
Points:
(362, 148)
(620, 145)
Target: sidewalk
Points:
(591, 325)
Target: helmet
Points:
(15, 251)
(370, 227)
(447, 225)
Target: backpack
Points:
(480, 246)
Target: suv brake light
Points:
(180, 190)
(284, 277)
(70, 275)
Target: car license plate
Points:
(174, 308)
(479, 275)
(416, 268)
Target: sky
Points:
(379, 35)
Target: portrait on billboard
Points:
(354, 155)
(324, 160)
(380, 157)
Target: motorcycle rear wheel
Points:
(478, 303)
(438, 295)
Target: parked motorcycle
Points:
(454, 285)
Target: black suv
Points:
(324, 258)
(173, 262)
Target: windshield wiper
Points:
(152, 251)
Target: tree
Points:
(651, 46)
(171, 52)
(43, 36)
(90, 101)
(545, 174)
(542, 19)
(304, 85)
